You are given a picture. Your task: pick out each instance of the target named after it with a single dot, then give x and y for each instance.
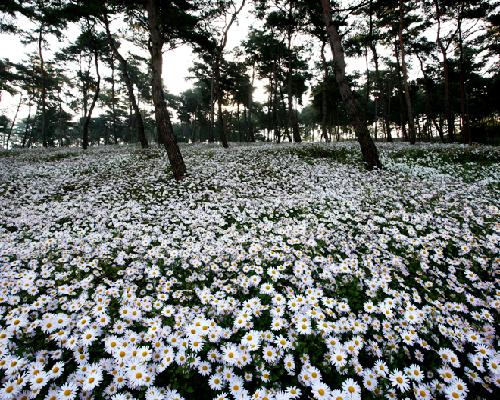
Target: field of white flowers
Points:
(271, 272)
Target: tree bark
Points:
(404, 69)
(368, 148)
(251, 133)
(220, 99)
(130, 87)
(211, 136)
(291, 117)
(428, 95)
(218, 60)
(113, 96)
(59, 119)
(238, 122)
(28, 123)
(44, 88)
(193, 125)
(86, 122)
(464, 117)
(274, 96)
(402, 104)
(283, 107)
(13, 121)
(164, 125)
(387, 107)
(324, 100)
(439, 127)
(450, 120)
(373, 49)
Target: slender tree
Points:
(450, 120)
(128, 82)
(164, 125)
(88, 117)
(404, 70)
(368, 148)
(9, 134)
(218, 59)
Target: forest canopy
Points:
(426, 71)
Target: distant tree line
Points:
(432, 73)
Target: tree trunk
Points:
(274, 94)
(387, 112)
(282, 106)
(88, 117)
(296, 128)
(373, 49)
(113, 95)
(238, 122)
(464, 117)
(193, 125)
(44, 88)
(211, 136)
(402, 111)
(324, 100)
(368, 148)
(368, 79)
(130, 88)
(220, 98)
(14, 121)
(291, 125)
(428, 101)
(450, 120)
(251, 133)
(404, 69)
(164, 125)
(59, 119)
(439, 127)
(28, 123)
(106, 134)
(388, 133)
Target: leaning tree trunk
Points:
(404, 70)
(368, 148)
(163, 123)
(130, 86)
(86, 122)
